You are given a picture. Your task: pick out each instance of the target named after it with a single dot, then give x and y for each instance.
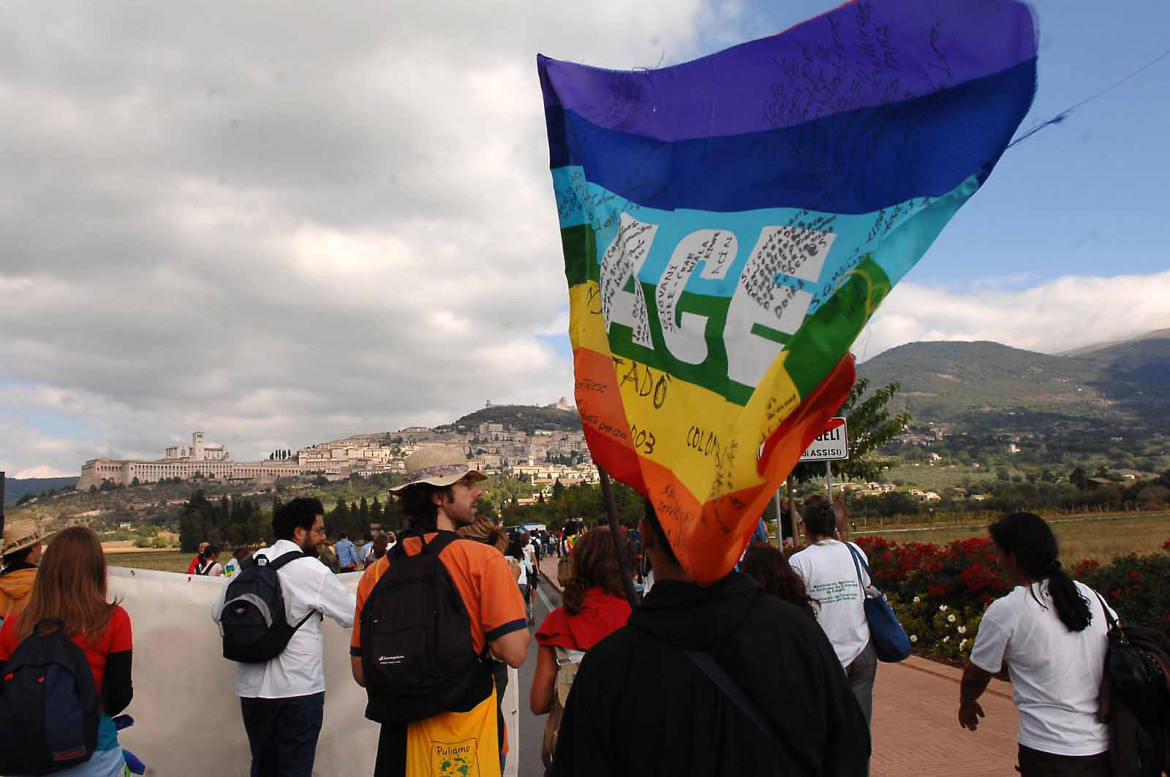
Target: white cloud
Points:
(1051, 317)
(283, 224)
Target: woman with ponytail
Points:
(594, 607)
(1050, 631)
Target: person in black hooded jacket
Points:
(724, 680)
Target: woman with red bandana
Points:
(594, 607)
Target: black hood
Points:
(689, 616)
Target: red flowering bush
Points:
(960, 574)
(1137, 587)
(1166, 545)
(940, 592)
(1086, 566)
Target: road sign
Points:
(831, 445)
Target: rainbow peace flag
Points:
(730, 224)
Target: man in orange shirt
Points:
(438, 497)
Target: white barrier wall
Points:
(187, 716)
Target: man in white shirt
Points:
(283, 700)
(838, 584)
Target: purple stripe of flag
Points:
(862, 54)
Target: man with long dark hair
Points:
(438, 498)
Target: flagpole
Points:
(779, 520)
(615, 532)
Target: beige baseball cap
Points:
(21, 533)
(437, 465)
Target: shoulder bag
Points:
(889, 638)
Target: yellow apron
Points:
(455, 744)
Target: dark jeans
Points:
(861, 673)
(282, 734)
(1037, 763)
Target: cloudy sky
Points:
(282, 223)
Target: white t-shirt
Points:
(831, 579)
(1056, 673)
(523, 578)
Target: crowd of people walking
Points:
(771, 670)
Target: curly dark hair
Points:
(419, 508)
(595, 565)
(301, 513)
(766, 565)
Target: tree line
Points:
(227, 523)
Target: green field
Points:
(939, 477)
(166, 560)
(1100, 537)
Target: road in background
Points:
(544, 601)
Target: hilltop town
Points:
(540, 455)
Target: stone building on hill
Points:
(185, 462)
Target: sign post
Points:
(831, 445)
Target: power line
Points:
(1060, 117)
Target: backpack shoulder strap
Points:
(1108, 616)
(732, 691)
(440, 541)
(280, 561)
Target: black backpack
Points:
(49, 706)
(417, 654)
(1136, 675)
(254, 625)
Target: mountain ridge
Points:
(981, 385)
(16, 488)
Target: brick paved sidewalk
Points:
(915, 724)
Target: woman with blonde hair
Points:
(70, 589)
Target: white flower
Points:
(913, 637)
(942, 608)
(962, 643)
(917, 599)
(946, 639)
(962, 629)
(951, 618)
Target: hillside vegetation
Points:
(523, 417)
(16, 489)
(1119, 389)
